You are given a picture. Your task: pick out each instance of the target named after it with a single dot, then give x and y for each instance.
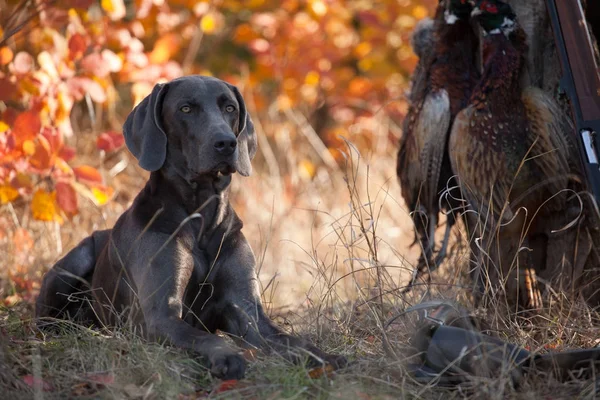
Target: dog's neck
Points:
(206, 195)
(203, 207)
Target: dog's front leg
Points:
(243, 316)
(161, 282)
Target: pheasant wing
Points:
(550, 142)
(432, 126)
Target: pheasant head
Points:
(495, 17)
(457, 10)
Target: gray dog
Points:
(176, 263)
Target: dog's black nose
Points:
(226, 146)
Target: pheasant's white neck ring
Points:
(450, 18)
(508, 26)
(496, 31)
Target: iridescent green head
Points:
(495, 17)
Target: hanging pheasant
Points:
(445, 76)
(508, 150)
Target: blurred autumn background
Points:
(325, 82)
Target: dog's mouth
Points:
(223, 169)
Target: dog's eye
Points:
(229, 108)
(186, 109)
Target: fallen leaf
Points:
(11, 300)
(319, 372)
(227, 385)
(34, 381)
(134, 391)
(105, 378)
(93, 383)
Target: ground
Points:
(334, 252)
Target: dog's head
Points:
(196, 125)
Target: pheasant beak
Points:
(476, 12)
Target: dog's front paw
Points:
(336, 360)
(227, 364)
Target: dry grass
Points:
(334, 255)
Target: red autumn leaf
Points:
(67, 153)
(26, 126)
(34, 381)
(227, 385)
(42, 156)
(318, 372)
(95, 65)
(77, 46)
(88, 174)
(7, 89)
(66, 197)
(54, 137)
(110, 141)
(79, 86)
(23, 62)
(101, 378)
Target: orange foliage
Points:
(344, 56)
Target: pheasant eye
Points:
(186, 109)
(230, 108)
(491, 8)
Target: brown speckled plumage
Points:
(442, 86)
(511, 156)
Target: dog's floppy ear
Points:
(143, 131)
(247, 142)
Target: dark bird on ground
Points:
(510, 154)
(442, 84)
